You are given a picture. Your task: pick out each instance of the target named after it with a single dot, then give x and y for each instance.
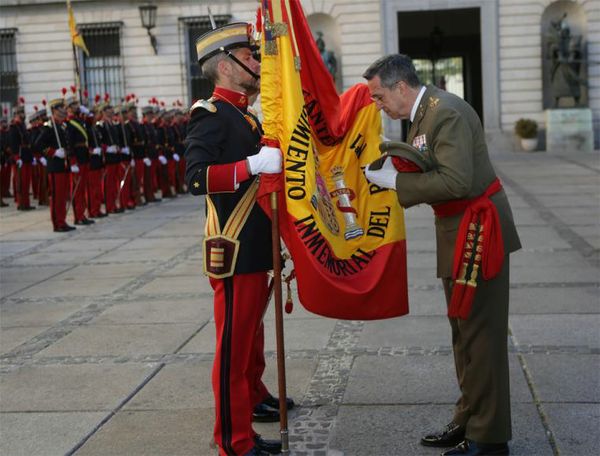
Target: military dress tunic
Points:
(449, 133)
(219, 139)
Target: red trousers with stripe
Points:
(239, 304)
(80, 187)
(111, 186)
(95, 192)
(59, 188)
(22, 193)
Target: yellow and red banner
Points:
(345, 235)
(76, 38)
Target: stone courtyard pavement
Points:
(107, 335)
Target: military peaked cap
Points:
(221, 39)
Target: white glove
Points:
(147, 161)
(97, 151)
(84, 109)
(268, 160)
(132, 163)
(125, 150)
(43, 161)
(176, 157)
(74, 169)
(19, 163)
(34, 162)
(384, 177)
(162, 159)
(111, 149)
(59, 153)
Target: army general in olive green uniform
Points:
(448, 132)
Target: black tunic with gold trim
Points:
(218, 133)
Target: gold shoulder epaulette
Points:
(433, 102)
(204, 104)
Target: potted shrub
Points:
(527, 129)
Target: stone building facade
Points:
(489, 51)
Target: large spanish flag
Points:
(345, 235)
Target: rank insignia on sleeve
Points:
(196, 184)
(433, 102)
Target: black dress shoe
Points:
(273, 402)
(451, 435)
(84, 222)
(70, 228)
(64, 229)
(268, 446)
(262, 413)
(100, 215)
(254, 452)
(470, 448)
(119, 210)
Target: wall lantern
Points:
(148, 16)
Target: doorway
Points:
(445, 46)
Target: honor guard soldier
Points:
(4, 151)
(110, 139)
(127, 167)
(224, 158)
(179, 131)
(40, 119)
(35, 125)
(78, 138)
(152, 164)
(475, 232)
(166, 141)
(52, 141)
(96, 173)
(20, 145)
(136, 141)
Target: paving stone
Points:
(572, 330)
(156, 311)
(554, 300)
(45, 433)
(154, 433)
(541, 237)
(178, 284)
(575, 427)
(77, 245)
(71, 286)
(121, 340)
(35, 313)
(565, 378)
(69, 387)
(407, 331)
(129, 256)
(56, 258)
(8, 248)
(416, 379)
(427, 302)
(29, 274)
(11, 338)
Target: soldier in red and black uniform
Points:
(20, 145)
(136, 138)
(166, 140)
(127, 167)
(52, 141)
(179, 132)
(152, 169)
(224, 156)
(78, 138)
(96, 172)
(4, 151)
(110, 138)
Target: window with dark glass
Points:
(102, 70)
(9, 77)
(193, 28)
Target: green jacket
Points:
(448, 131)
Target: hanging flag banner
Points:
(345, 235)
(76, 38)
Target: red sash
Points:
(478, 244)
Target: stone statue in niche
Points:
(566, 57)
(327, 56)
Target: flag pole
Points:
(77, 74)
(277, 294)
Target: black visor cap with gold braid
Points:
(225, 38)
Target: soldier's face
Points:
(394, 101)
(240, 76)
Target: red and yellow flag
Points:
(346, 236)
(76, 38)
